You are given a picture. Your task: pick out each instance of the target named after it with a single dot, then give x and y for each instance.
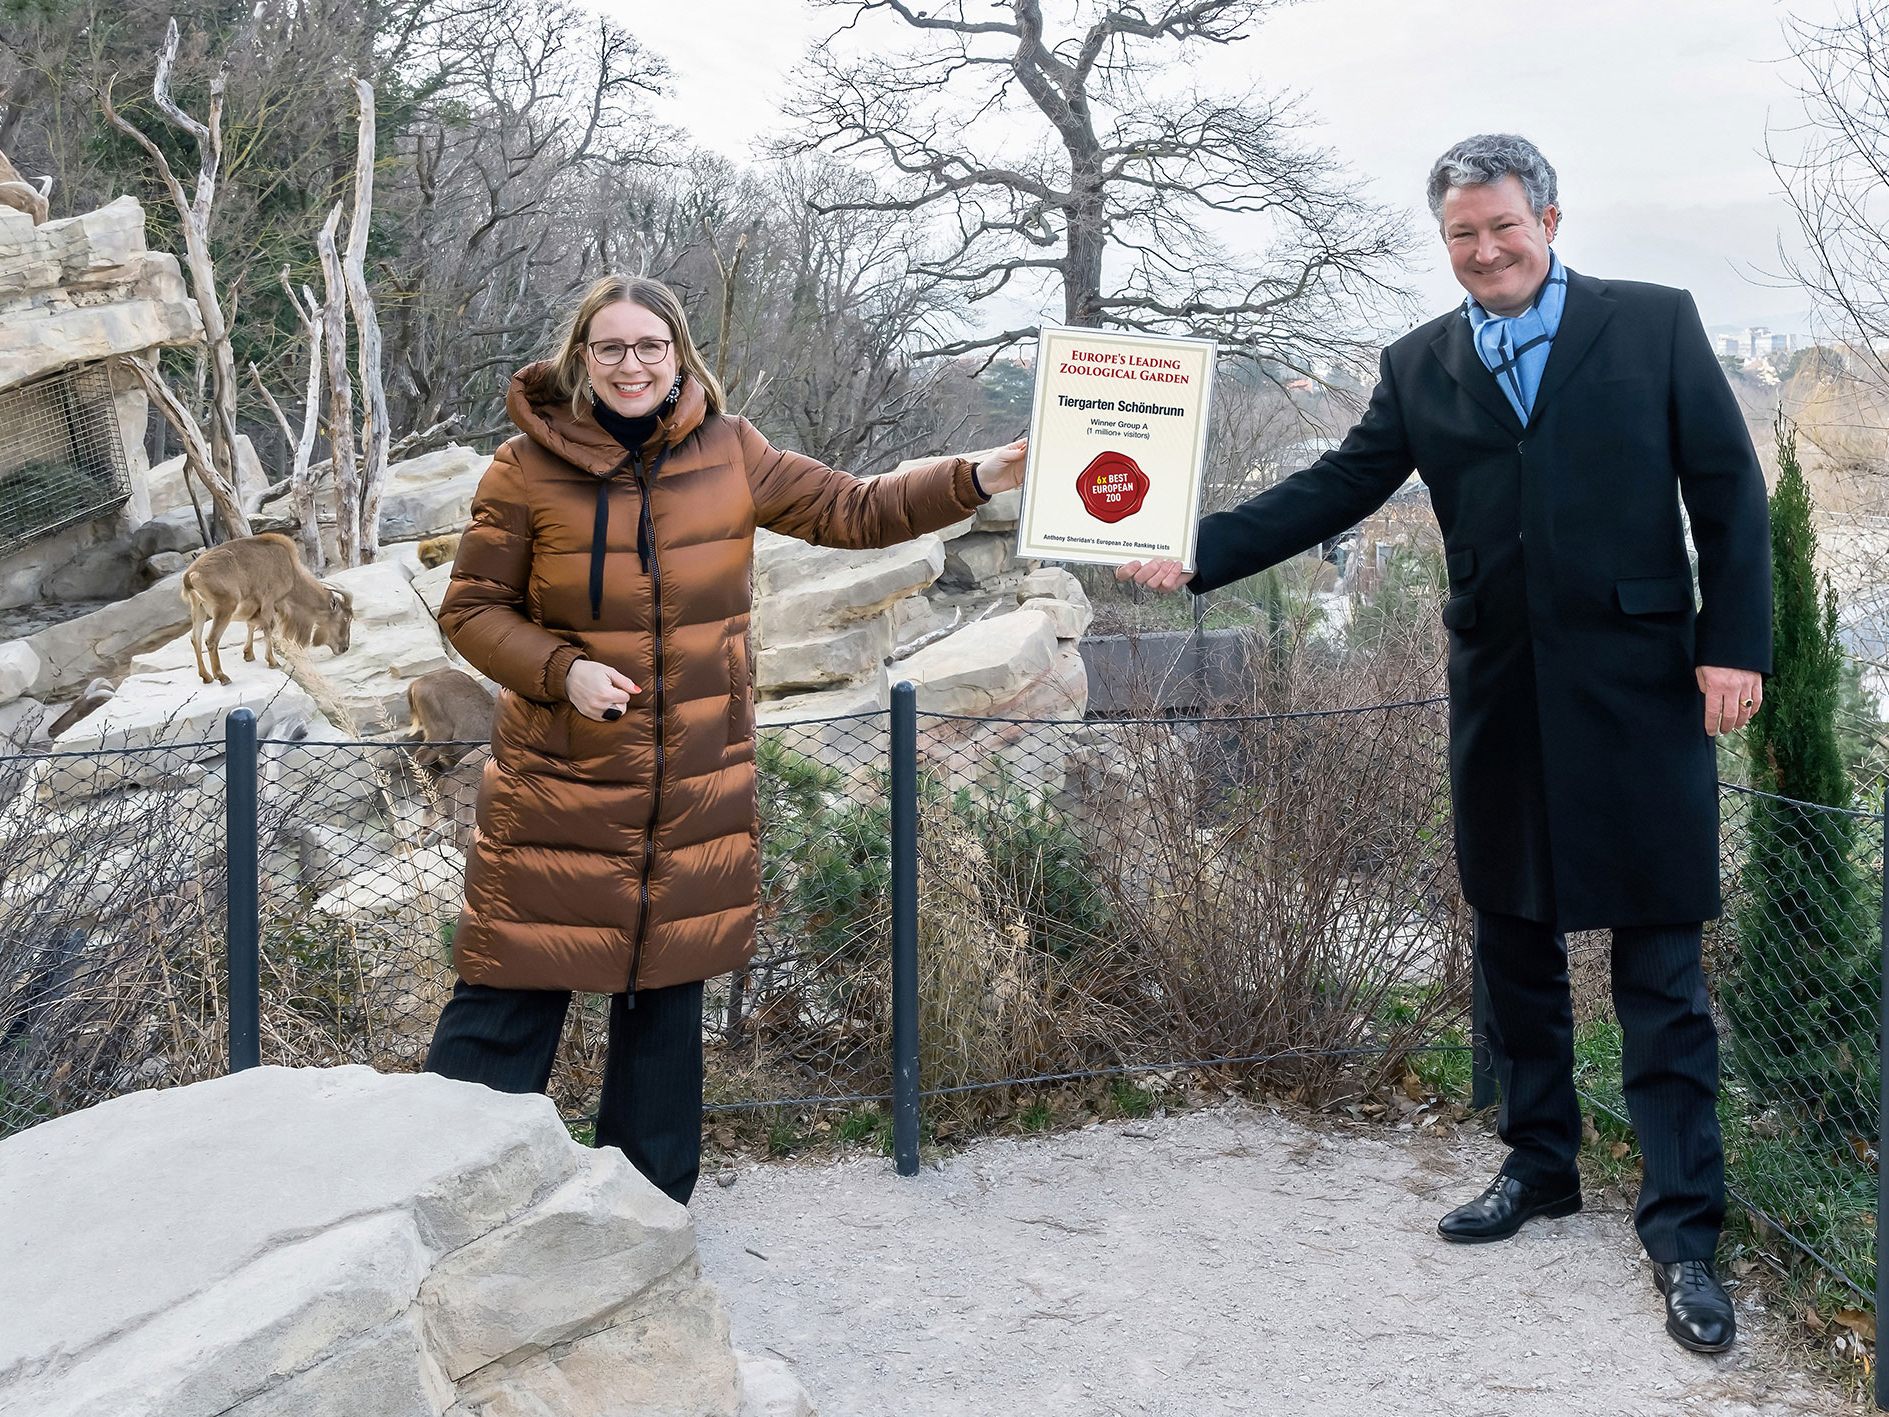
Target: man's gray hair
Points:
(1489, 157)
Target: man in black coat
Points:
(1559, 422)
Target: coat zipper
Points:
(646, 537)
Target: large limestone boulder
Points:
(430, 585)
(310, 770)
(1002, 512)
(1059, 595)
(826, 619)
(105, 641)
(980, 558)
(981, 668)
(844, 728)
(287, 1242)
(106, 570)
(430, 880)
(170, 709)
(23, 725)
(802, 591)
(432, 494)
(19, 669)
(167, 533)
(1008, 685)
(170, 498)
(24, 569)
(839, 655)
(84, 288)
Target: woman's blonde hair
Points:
(567, 379)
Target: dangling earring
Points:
(674, 395)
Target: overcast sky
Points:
(1654, 113)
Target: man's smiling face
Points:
(1498, 246)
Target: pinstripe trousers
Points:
(651, 1108)
(1669, 1071)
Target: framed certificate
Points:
(1118, 447)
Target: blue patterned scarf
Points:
(1514, 348)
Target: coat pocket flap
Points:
(1655, 595)
(1459, 612)
(1462, 564)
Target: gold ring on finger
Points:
(1747, 703)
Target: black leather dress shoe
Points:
(1698, 1310)
(1501, 1210)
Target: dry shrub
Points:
(111, 923)
(1286, 882)
(997, 999)
(113, 962)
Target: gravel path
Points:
(1225, 1261)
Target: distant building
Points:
(1729, 345)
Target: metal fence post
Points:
(244, 929)
(1882, 1120)
(904, 765)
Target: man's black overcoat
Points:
(1584, 784)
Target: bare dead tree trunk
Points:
(198, 459)
(347, 482)
(301, 477)
(374, 434)
(730, 275)
(193, 213)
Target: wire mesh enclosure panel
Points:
(62, 458)
(1794, 969)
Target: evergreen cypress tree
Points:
(1802, 1006)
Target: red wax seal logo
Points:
(1112, 487)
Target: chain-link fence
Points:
(1109, 896)
(1795, 969)
(112, 948)
(1147, 894)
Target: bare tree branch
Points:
(1117, 167)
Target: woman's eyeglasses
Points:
(611, 351)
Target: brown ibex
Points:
(261, 580)
(452, 714)
(438, 550)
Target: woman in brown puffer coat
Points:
(605, 585)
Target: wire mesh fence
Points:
(1094, 897)
(1151, 893)
(1795, 970)
(112, 954)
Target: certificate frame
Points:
(1117, 419)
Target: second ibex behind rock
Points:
(261, 579)
(452, 714)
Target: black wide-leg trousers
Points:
(651, 1106)
(1669, 1071)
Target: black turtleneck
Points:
(632, 433)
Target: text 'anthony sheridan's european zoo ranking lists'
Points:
(1118, 442)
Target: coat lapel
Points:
(1456, 348)
(1587, 312)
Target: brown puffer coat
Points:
(612, 853)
